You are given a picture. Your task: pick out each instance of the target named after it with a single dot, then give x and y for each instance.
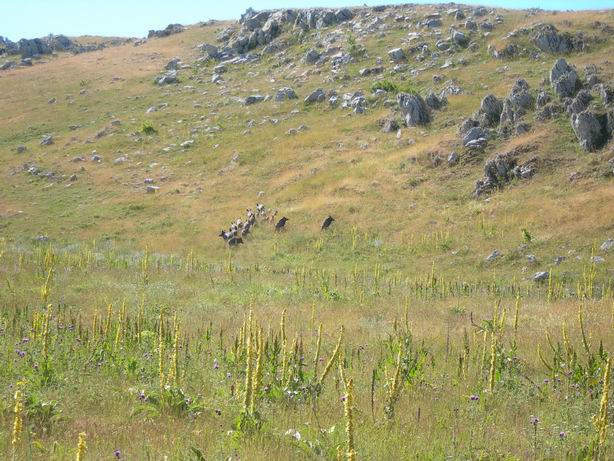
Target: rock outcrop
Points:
(168, 30)
(414, 109)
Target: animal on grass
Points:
(281, 224)
(326, 223)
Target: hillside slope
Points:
(342, 164)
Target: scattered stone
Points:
(550, 40)
(475, 133)
(541, 276)
(414, 109)
(490, 110)
(312, 56)
(580, 102)
(169, 30)
(397, 55)
(367, 71)
(285, 93)
(173, 64)
(501, 169)
(253, 99)
(47, 140)
(453, 159)
(496, 254)
(590, 129)
(434, 101)
(607, 245)
(316, 96)
(460, 38)
(389, 126)
(564, 79)
(152, 189)
(166, 78)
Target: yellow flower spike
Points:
(81, 447)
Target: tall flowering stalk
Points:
(394, 386)
(258, 373)
(46, 320)
(601, 419)
(316, 357)
(247, 398)
(173, 373)
(18, 419)
(348, 409)
(161, 350)
(493, 363)
(332, 359)
(81, 447)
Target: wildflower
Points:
(20, 353)
(117, 453)
(474, 398)
(546, 381)
(534, 420)
(216, 365)
(81, 447)
(562, 435)
(228, 375)
(344, 398)
(218, 412)
(294, 433)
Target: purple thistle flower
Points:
(20, 353)
(534, 420)
(216, 365)
(474, 398)
(117, 453)
(562, 434)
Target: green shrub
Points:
(147, 128)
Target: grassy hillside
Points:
(402, 269)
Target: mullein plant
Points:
(348, 411)
(18, 412)
(332, 359)
(161, 351)
(601, 419)
(81, 447)
(395, 385)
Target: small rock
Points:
(47, 140)
(541, 276)
(496, 254)
(607, 245)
